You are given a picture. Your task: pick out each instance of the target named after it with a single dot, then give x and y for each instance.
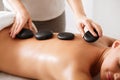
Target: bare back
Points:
(45, 58)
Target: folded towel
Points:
(6, 19)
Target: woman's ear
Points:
(116, 44)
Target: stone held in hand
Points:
(89, 37)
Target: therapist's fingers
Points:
(12, 29)
(98, 29)
(86, 23)
(13, 32)
(81, 28)
(17, 30)
(30, 24)
(90, 27)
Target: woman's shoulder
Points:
(106, 40)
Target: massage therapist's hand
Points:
(90, 25)
(22, 18)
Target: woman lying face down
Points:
(55, 59)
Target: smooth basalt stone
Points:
(65, 36)
(89, 37)
(43, 35)
(25, 34)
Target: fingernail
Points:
(82, 34)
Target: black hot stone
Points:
(65, 36)
(89, 37)
(43, 35)
(25, 34)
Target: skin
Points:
(23, 18)
(110, 68)
(82, 19)
(55, 59)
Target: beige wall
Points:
(1, 6)
(107, 14)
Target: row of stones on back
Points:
(43, 35)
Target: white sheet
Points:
(4, 76)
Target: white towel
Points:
(6, 19)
